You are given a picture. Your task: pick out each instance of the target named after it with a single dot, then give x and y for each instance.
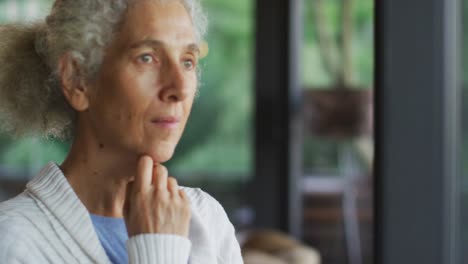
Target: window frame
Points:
(417, 115)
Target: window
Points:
(338, 70)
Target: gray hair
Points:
(31, 100)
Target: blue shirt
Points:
(112, 233)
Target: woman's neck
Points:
(98, 176)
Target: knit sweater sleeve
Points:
(227, 247)
(173, 249)
(158, 249)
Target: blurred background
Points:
(288, 89)
(305, 170)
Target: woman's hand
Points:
(154, 202)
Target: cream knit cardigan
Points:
(47, 223)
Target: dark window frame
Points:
(417, 119)
(275, 191)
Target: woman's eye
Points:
(146, 58)
(189, 64)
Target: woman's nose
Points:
(173, 82)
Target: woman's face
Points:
(143, 94)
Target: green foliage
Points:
(218, 135)
(23, 10)
(313, 71)
(31, 152)
(363, 14)
(321, 153)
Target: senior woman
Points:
(118, 77)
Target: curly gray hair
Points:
(31, 101)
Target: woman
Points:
(119, 77)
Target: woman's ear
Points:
(73, 86)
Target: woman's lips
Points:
(166, 122)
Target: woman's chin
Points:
(161, 155)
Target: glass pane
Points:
(338, 67)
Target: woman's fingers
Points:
(183, 195)
(144, 174)
(160, 177)
(156, 203)
(173, 186)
